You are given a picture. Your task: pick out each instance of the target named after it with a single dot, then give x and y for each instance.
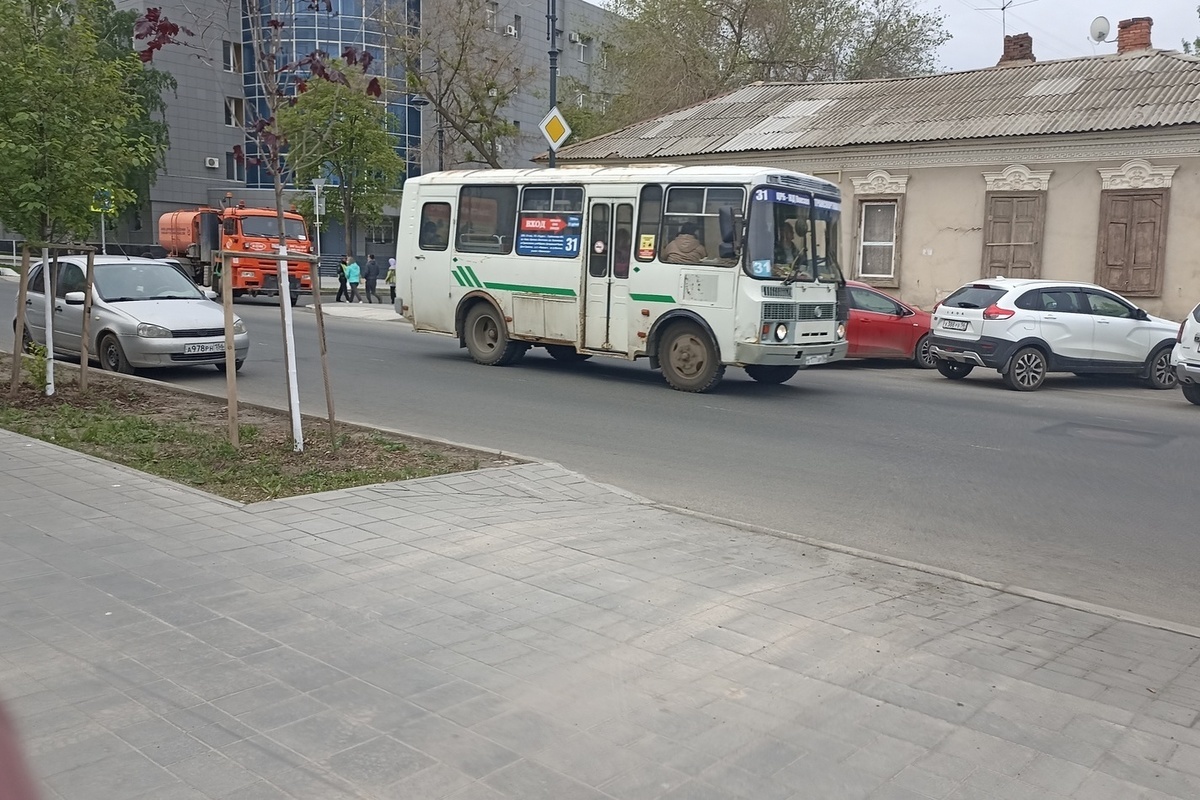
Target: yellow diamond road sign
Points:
(555, 129)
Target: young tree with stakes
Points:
(279, 78)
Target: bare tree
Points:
(456, 57)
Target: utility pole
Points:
(552, 35)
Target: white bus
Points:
(695, 268)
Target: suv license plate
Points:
(811, 360)
(208, 347)
(954, 324)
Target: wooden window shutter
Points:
(1012, 233)
(1133, 234)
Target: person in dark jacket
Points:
(342, 287)
(371, 275)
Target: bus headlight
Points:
(781, 331)
(841, 331)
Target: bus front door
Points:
(606, 289)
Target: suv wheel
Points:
(954, 370)
(1026, 370)
(1162, 374)
(1192, 392)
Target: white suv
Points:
(1026, 328)
(1186, 357)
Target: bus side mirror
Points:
(731, 232)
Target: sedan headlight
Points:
(149, 331)
(239, 326)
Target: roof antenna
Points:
(1098, 33)
(1003, 8)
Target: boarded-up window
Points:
(1133, 236)
(1012, 234)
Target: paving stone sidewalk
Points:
(525, 633)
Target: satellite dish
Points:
(1099, 30)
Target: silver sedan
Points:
(145, 313)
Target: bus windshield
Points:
(793, 237)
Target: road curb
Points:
(962, 577)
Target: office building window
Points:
(235, 169)
(232, 57)
(235, 116)
(491, 16)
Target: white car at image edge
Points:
(1186, 357)
(1025, 329)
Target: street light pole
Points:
(552, 35)
(317, 184)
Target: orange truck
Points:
(196, 236)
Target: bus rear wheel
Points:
(487, 339)
(769, 373)
(689, 358)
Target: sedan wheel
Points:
(1162, 374)
(112, 357)
(1027, 370)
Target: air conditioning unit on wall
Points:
(212, 163)
(573, 38)
(510, 30)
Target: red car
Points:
(883, 327)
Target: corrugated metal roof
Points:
(1146, 89)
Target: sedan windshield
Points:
(268, 227)
(793, 237)
(143, 280)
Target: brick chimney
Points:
(1133, 34)
(1018, 49)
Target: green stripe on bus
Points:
(458, 278)
(651, 298)
(472, 278)
(519, 287)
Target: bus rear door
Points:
(606, 286)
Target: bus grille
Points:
(798, 312)
(777, 291)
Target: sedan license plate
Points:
(811, 360)
(207, 347)
(954, 324)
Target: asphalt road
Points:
(1085, 488)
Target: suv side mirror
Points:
(1140, 313)
(74, 298)
(210, 294)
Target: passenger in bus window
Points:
(685, 248)
(621, 243)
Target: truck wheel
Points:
(566, 353)
(689, 358)
(487, 339)
(295, 300)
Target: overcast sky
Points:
(1059, 27)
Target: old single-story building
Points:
(1080, 169)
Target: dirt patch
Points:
(184, 437)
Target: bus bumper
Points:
(790, 355)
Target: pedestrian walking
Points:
(353, 276)
(371, 274)
(341, 282)
(390, 279)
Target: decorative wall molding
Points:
(1137, 173)
(1018, 178)
(880, 182)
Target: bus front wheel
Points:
(689, 359)
(487, 339)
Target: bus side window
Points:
(435, 226)
(487, 218)
(649, 218)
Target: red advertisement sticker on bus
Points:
(543, 224)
